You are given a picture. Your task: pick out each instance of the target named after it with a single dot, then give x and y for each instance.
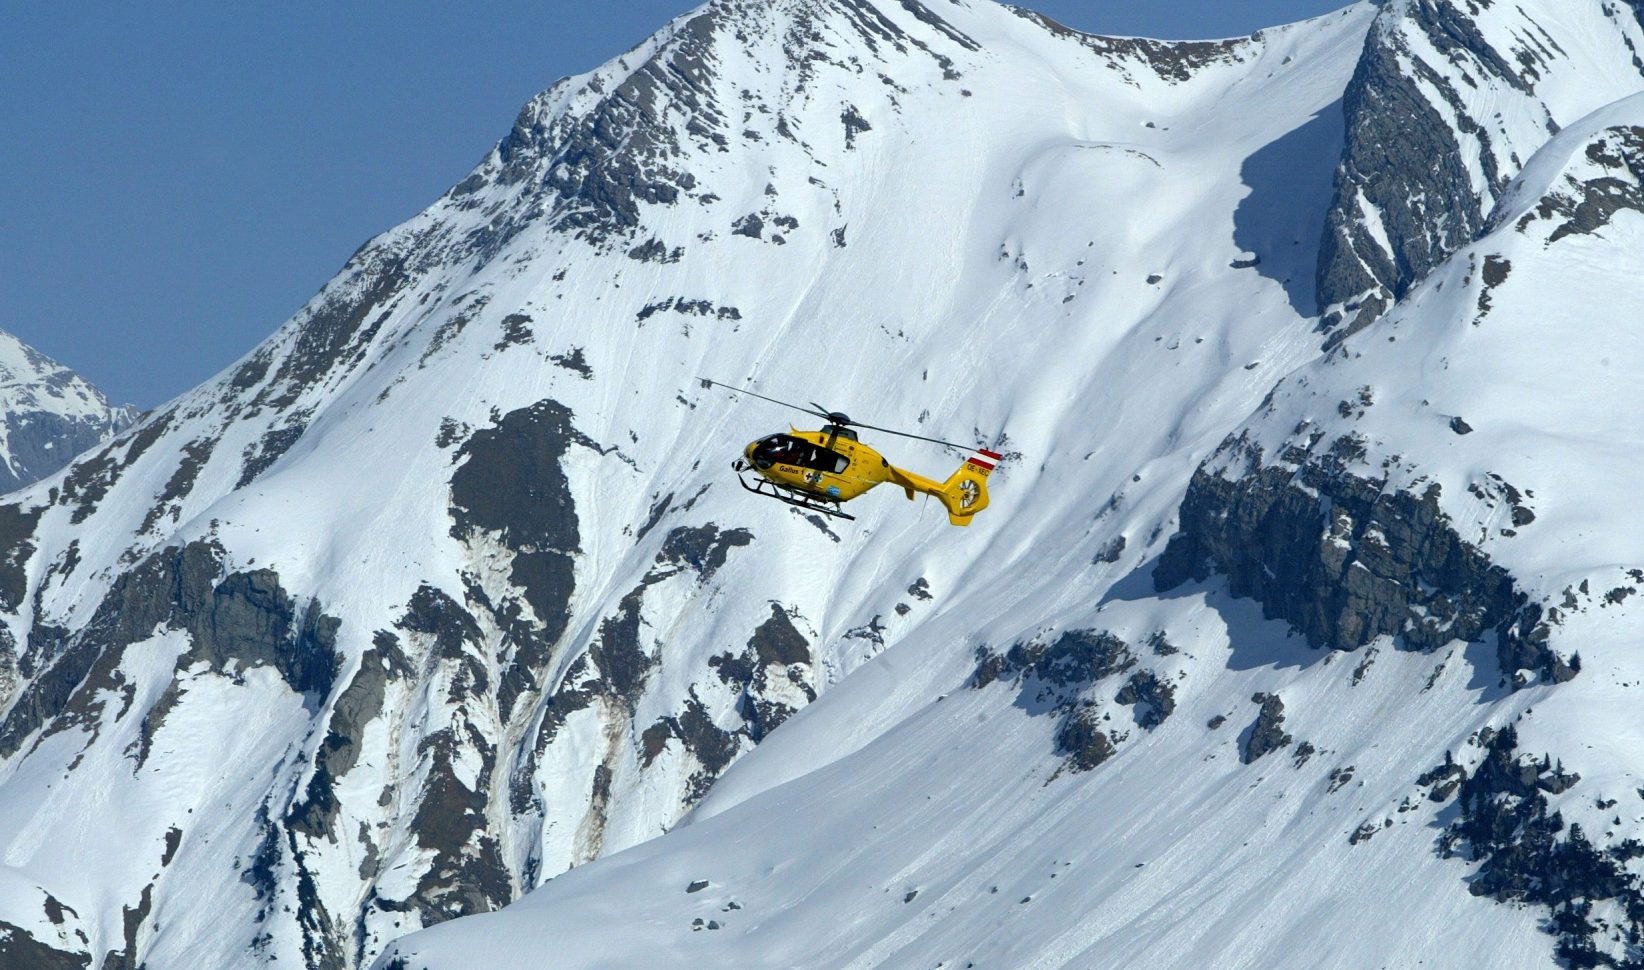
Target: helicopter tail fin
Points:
(965, 493)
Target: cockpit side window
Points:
(782, 449)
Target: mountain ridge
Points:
(437, 600)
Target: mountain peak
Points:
(51, 414)
(444, 596)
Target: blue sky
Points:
(179, 178)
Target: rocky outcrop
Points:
(510, 488)
(1267, 734)
(1059, 678)
(1426, 155)
(1402, 173)
(18, 948)
(1610, 181)
(1344, 559)
(1526, 853)
(234, 622)
(1172, 61)
(1150, 698)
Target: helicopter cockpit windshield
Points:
(783, 449)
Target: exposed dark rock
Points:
(451, 432)
(713, 747)
(622, 660)
(599, 167)
(1459, 426)
(334, 331)
(1404, 159)
(16, 548)
(467, 874)
(40, 442)
(174, 839)
(132, 918)
(1267, 734)
(777, 642)
(1074, 660)
(516, 329)
(510, 481)
(1589, 206)
(1162, 647)
(358, 705)
(688, 307)
(1152, 699)
(1443, 780)
(1526, 853)
(1052, 679)
(1364, 833)
(21, 951)
(55, 909)
(465, 310)
(510, 484)
(1110, 551)
(702, 548)
(1345, 560)
(573, 360)
(1081, 739)
(91, 478)
(855, 125)
(246, 619)
(573, 695)
(275, 443)
(250, 619)
(195, 455)
(654, 250)
(1173, 61)
(776, 649)
(1496, 270)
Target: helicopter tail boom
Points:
(964, 494)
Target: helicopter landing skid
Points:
(793, 496)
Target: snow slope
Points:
(909, 820)
(443, 596)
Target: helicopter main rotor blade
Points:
(829, 416)
(918, 437)
(743, 390)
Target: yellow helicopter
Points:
(821, 470)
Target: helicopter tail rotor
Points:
(965, 493)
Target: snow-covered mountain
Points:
(51, 414)
(1297, 634)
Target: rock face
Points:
(1527, 852)
(1267, 734)
(1448, 103)
(1346, 560)
(50, 415)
